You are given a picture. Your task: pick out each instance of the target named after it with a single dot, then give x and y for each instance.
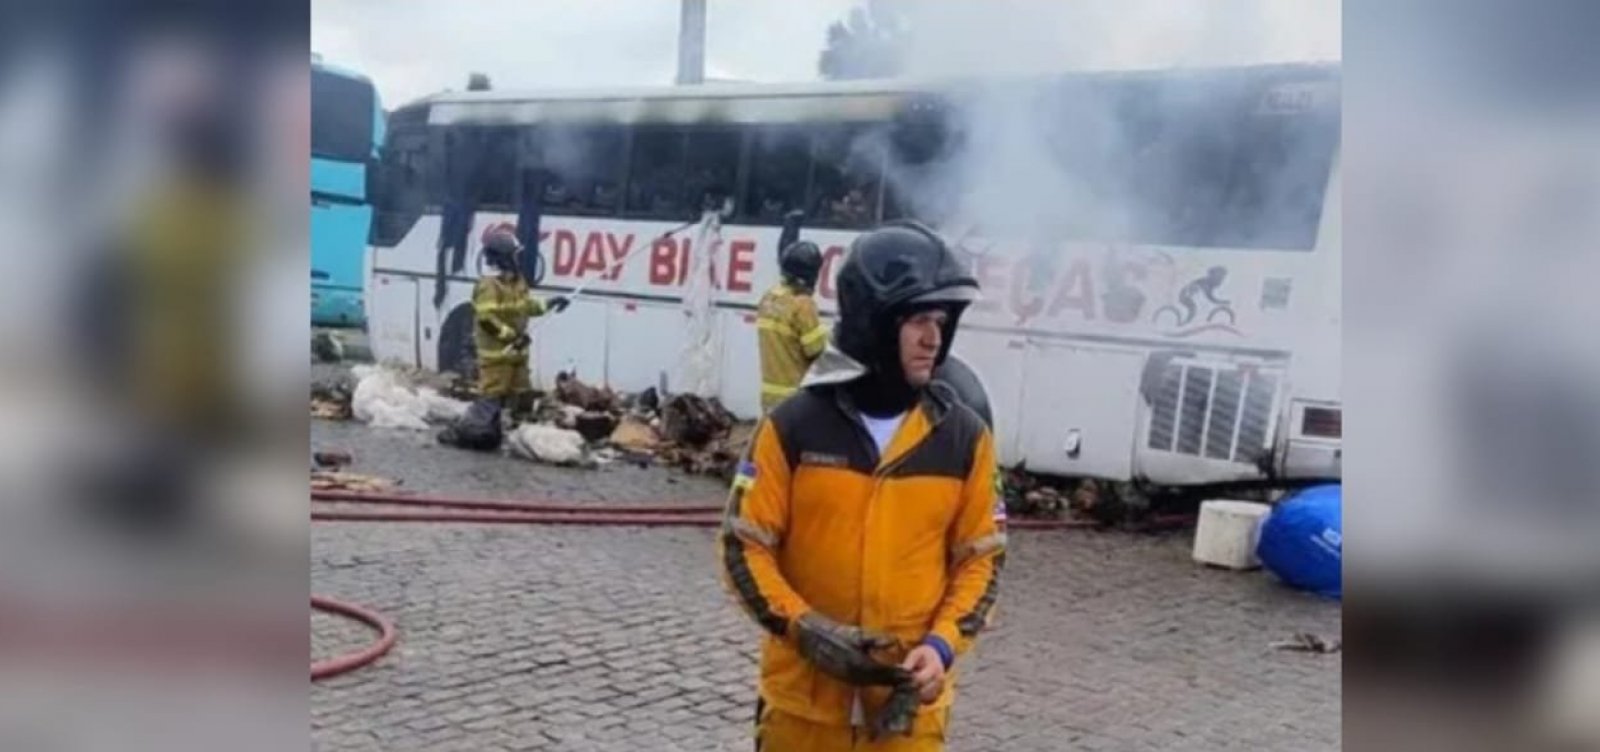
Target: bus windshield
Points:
(341, 117)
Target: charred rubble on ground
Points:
(584, 425)
(575, 423)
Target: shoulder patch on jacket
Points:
(746, 475)
(824, 459)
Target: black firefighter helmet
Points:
(899, 266)
(800, 263)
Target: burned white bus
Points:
(1159, 251)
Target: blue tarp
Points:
(1302, 541)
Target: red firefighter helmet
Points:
(500, 245)
(498, 228)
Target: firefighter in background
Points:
(501, 306)
(790, 333)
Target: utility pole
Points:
(692, 42)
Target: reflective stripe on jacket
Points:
(501, 308)
(907, 543)
(791, 336)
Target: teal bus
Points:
(346, 129)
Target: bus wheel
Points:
(456, 351)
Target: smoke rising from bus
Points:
(1015, 154)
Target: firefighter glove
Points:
(845, 652)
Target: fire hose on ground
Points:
(351, 661)
(446, 509)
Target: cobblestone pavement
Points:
(516, 637)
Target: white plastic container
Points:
(1227, 532)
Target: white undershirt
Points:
(883, 429)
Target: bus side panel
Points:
(338, 245)
(642, 340)
(1316, 369)
(741, 363)
(999, 360)
(1081, 410)
(339, 179)
(1315, 374)
(392, 330)
(574, 340)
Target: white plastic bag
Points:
(545, 443)
(386, 399)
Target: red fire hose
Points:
(476, 511)
(451, 502)
(485, 511)
(599, 517)
(548, 513)
(351, 661)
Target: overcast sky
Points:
(412, 48)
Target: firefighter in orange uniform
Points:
(862, 533)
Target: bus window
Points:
(779, 160)
(341, 117)
(780, 165)
(1191, 163)
(924, 192)
(1277, 187)
(897, 202)
(496, 174)
(584, 166)
(401, 184)
(455, 170)
(916, 181)
(655, 176)
(1177, 184)
(436, 175)
(847, 168)
(713, 166)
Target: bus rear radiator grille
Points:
(1216, 413)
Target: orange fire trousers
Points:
(777, 731)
